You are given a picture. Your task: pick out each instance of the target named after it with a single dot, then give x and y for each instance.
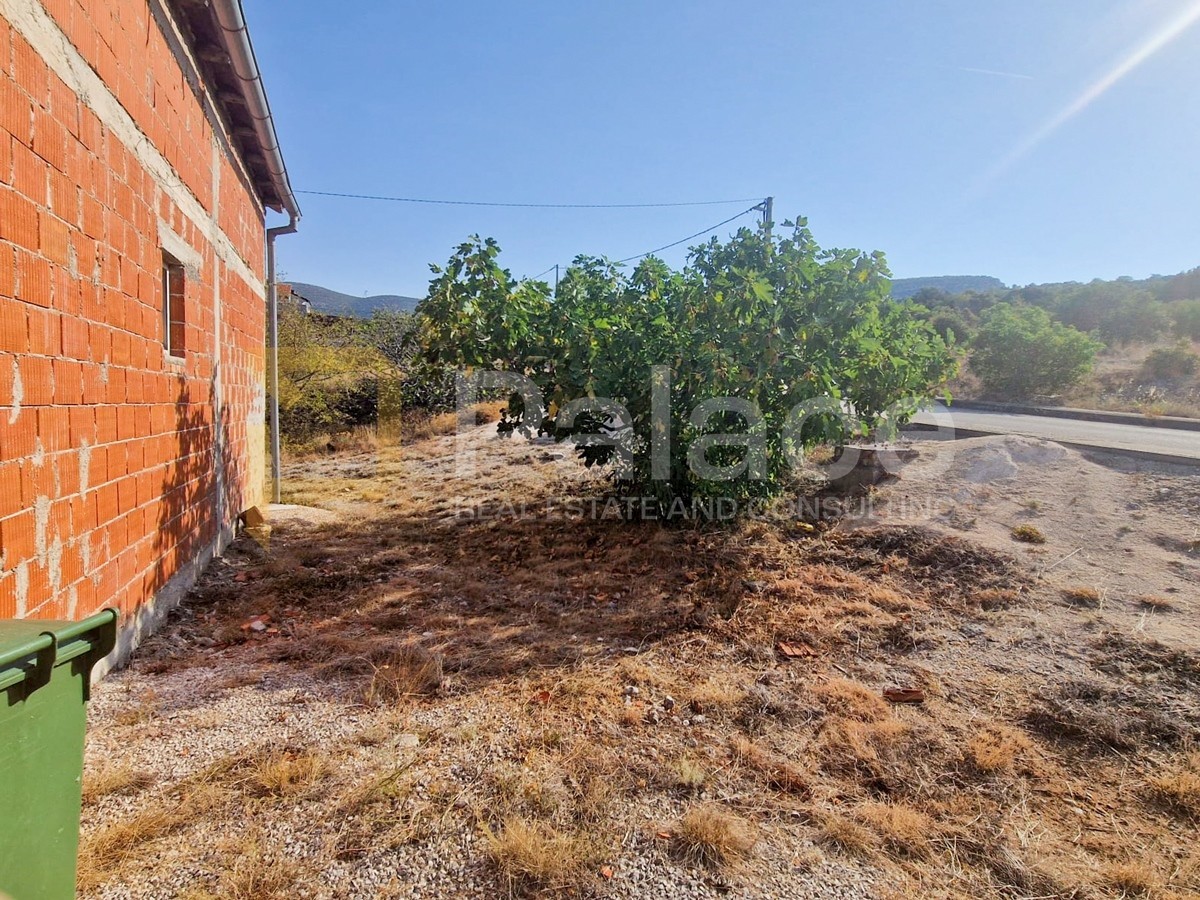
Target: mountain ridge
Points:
(903, 288)
(335, 303)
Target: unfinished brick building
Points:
(137, 159)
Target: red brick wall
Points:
(109, 453)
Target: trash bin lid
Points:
(29, 647)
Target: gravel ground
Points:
(172, 726)
(565, 647)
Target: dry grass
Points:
(1180, 789)
(708, 835)
(846, 834)
(411, 671)
(780, 774)
(902, 829)
(1155, 603)
(286, 773)
(997, 748)
(533, 632)
(139, 712)
(1135, 878)
(114, 779)
(852, 700)
(1082, 596)
(535, 854)
(256, 874)
(103, 853)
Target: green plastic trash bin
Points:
(45, 673)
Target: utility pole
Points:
(556, 279)
(768, 213)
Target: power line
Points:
(691, 236)
(525, 205)
(756, 208)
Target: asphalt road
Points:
(1101, 435)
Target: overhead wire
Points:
(708, 230)
(757, 206)
(690, 236)
(524, 205)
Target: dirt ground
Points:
(455, 680)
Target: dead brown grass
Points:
(1135, 878)
(998, 748)
(780, 774)
(1180, 788)
(105, 852)
(114, 779)
(550, 623)
(1082, 596)
(903, 830)
(534, 854)
(285, 773)
(1156, 603)
(410, 671)
(708, 835)
(846, 834)
(851, 700)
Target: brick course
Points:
(108, 450)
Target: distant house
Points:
(137, 159)
(288, 296)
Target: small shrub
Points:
(1171, 363)
(1020, 352)
(1028, 534)
(1158, 604)
(688, 774)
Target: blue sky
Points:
(868, 117)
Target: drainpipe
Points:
(273, 349)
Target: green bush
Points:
(952, 325)
(1020, 352)
(1137, 320)
(1171, 363)
(772, 323)
(1187, 319)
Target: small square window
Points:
(173, 318)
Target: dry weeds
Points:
(534, 854)
(114, 779)
(708, 835)
(547, 623)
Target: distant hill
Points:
(951, 284)
(335, 303)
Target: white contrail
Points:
(999, 73)
(1170, 30)
(995, 72)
